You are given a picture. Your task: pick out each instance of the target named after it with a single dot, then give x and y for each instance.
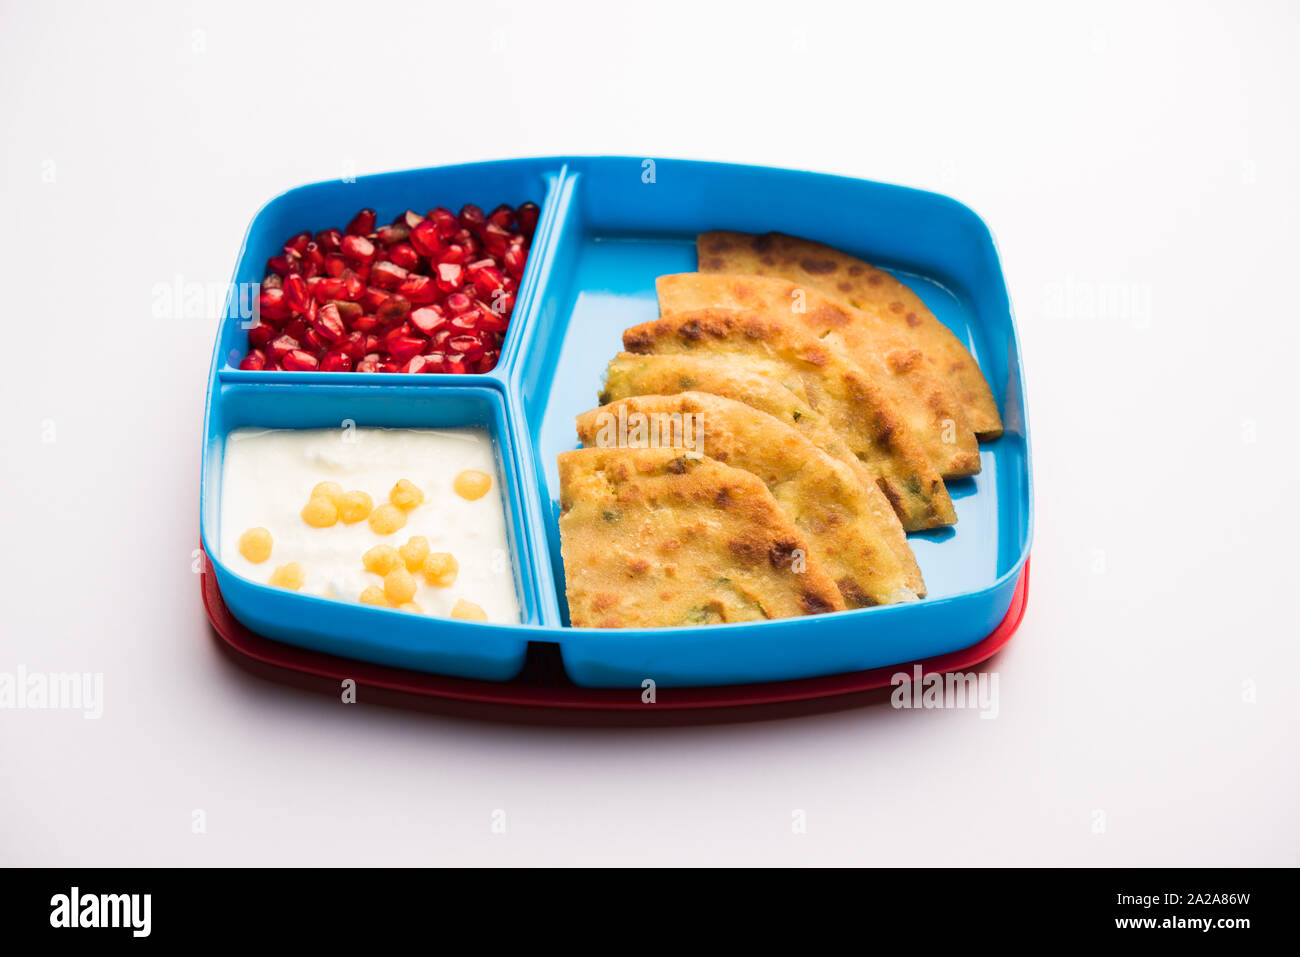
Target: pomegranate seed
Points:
(471, 245)
(354, 346)
(363, 223)
(411, 218)
(273, 305)
(404, 255)
(414, 364)
(368, 364)
(327, 289)
(402, 348)
(426, 239)
(440, 338)
(495, 239)
(297, 328)
(472, 268)
(349, 312)
(281, 346)
(435, 362)
(298, 243)
(312, 256)
(389, 365)
(279, 265)
(358, 249)
(458, 303)
(329, 240)
(336, 361)
(450, 277)
(299, 361)
(421, 290)
(253, 362)
(515, 258)
(528, 215)
(365, 324)
(503, 216)
(335, 265)
(427, 319)
(394, 309)
(296, 293)
(329, 324)
(274, 281)
(373, 298)
(260, 335)
(489, 360)
(471, 218)
(454, 253)
(503, 302)
(387, 275)
(315, 343)
(489, 320)
(456, 363)
(445, 220)
(396, 233)
(353, 286)
(488, 280)
(471, 347)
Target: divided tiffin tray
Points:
(608, 228)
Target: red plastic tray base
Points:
(543, 693)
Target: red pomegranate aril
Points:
(312, 255)
(329, 324)
(456, 363)
(299, 361)
(349, 312)
(327, 289)
(315, 343)
(471, 269)
(362, 224)
(404, 255)
(394, 309)
(492, 321)
(387, 275)
(281, 346)
(298, 243)
(488, 280)
(414, 364)
(514, 260)
(503, 216)
(389, 365)
(427, 319)
(395, 233)
(471, 347)
(255, 361)
(260, 335)
(454, 253)
(329, 240)
(486, 361)
(373, 344)
(438, 341)
(273, 280)
(353, 345)
(366, 323)
(471, 217)
(411, 218)
(426, 239)
(495, 239)
(373, 298)
(503, 303)
(445, 220)
(473, 248)
(421, 290)
(335, 265)
(450, 277)
(358, 249)
(353, 286)
(528, 215)
(468, 322)
(435, 362)
(272, 304)
(297, 327)
(279, 265)
(296, 293)
(336, 361)
(457, 303)
(368, 364)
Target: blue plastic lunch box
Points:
(608, 227)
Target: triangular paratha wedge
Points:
(867, 288)
(925, 403)
(755, 383)
(826, 501)
(661, 537)
(835, 387)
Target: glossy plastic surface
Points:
(609, 227)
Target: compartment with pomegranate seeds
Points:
(418, 280)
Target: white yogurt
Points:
(268, 475)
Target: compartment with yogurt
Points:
(379, 523)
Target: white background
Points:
(1148, 150)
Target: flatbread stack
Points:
(763, 447)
